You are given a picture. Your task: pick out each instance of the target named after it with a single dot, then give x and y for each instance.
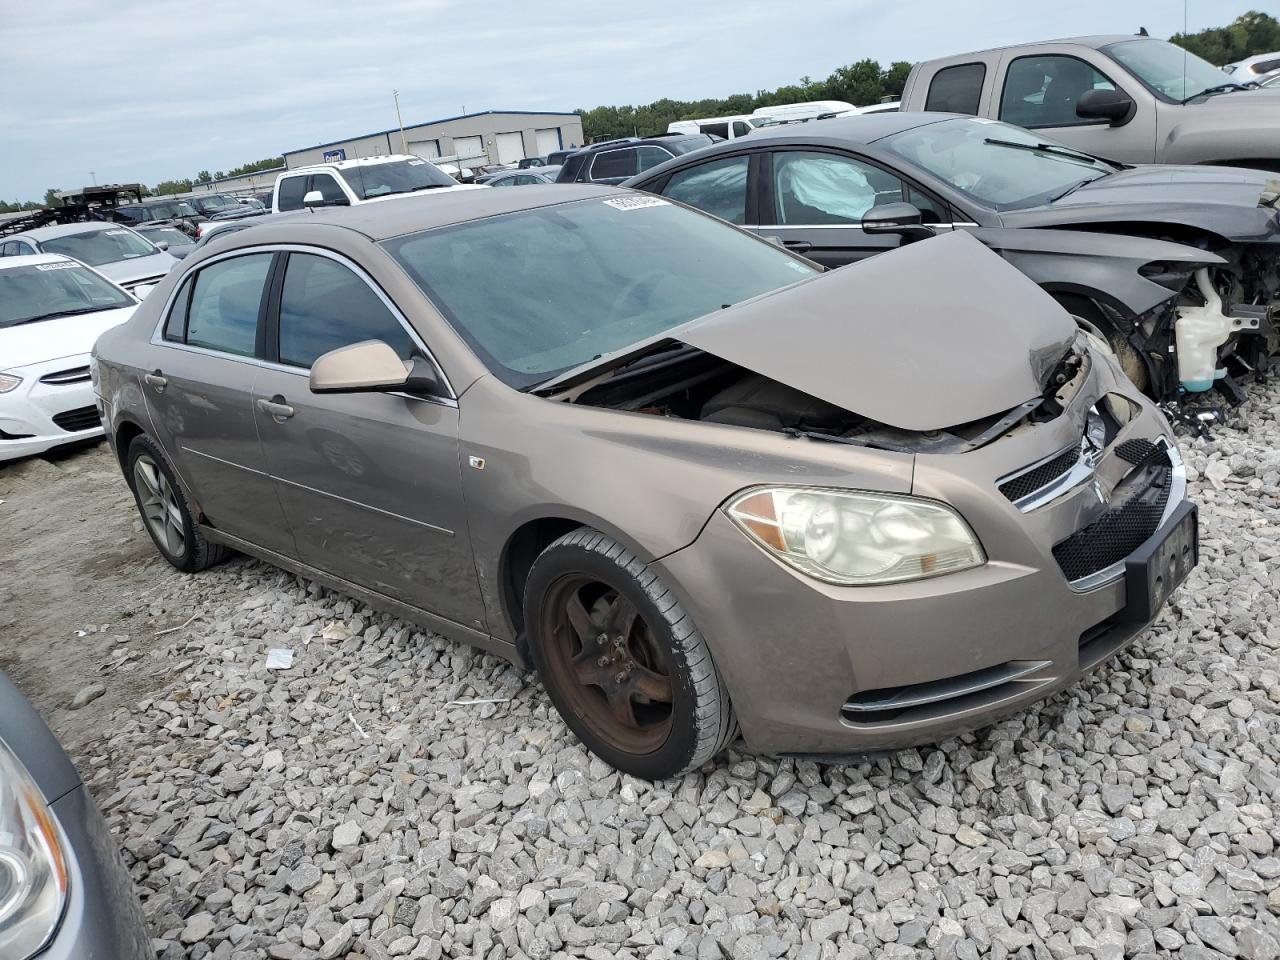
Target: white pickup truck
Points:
(342, 183)
(1131, 99)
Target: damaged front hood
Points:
(1233, 202)
(933, 335)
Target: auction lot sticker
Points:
(636, 203)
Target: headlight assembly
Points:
(33, 869)
(9, 381)
(856, 539)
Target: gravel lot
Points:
(393, 795)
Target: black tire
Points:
(661, 636)
(1090, 318)
(187, 549)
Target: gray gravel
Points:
(361, 804)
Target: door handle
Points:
(156, 381)
(799, 246)
(276, 408)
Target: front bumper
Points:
(102, 918)
(814, 668)
(54, 404)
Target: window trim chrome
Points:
(158, 339)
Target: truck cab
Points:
(1130, 99)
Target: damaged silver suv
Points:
(698, 484)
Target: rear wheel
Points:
(164, 509)
(623, 663)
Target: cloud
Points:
(150, 90)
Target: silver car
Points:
(693, 480)
(114, 250)
(64, 891)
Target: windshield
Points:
(688, 144)
(541, 291)
(1170, 71)
(960, 152)
(398, 176)
(96, 247)
(46, 290)
(171, 235)
(214, 204)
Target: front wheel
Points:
(1106, 337)
(621, 660)
(164, 509)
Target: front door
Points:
(815, 200)
(370, 481)
(199, 392)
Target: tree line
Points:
(861, 83)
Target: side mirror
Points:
(1114, 106)
(371, 367)
(903, 219)
(313, 198)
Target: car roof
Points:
(31, 259)
(67, 229)
(414, 213)
(353, 162)
(1094, 42)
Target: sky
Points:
(147, 90)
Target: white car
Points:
(52, 309)
(342, 183)
(115, 251)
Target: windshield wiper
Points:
(1220, 88)
(1074, 187)
(1056, 149)
(60, 313)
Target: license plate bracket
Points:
(1154, 570)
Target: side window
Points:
(324, 306)
(957, 89)
(21, 247)
(931, 210)
(224, 304)
(741, 128)
(651, 157)
(720, 130)
(719, 188)
(292, 190)
(9, 250)
(825, 188)
(1043, 91)
(175, 326)
(329, 189)
(615, 163)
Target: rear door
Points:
(369, 481)
(199, 392)
(813, 201)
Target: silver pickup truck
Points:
(1131, 99)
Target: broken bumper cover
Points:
(819, 669)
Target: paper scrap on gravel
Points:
(279, 658)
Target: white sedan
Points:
(52, 309)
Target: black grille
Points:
(1136, 451)
(1028, 483)
(1138, 504)
(81, 418)
(74, 375)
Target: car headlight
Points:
(856, 539)
(9, 381)
(33, 869)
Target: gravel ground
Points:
(393, 795)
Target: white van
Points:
(726, 128)
(782, 112)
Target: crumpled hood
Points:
(1224, 200)
(936, 334)
(30, 343)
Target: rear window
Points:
(957, 89)
(688, 144)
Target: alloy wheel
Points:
(606, 661)
(159, 504)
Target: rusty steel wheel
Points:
(606, 660)
(622, 661)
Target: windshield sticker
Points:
(117, 233)
(64, 265)
(635, 203)
(417, 163)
